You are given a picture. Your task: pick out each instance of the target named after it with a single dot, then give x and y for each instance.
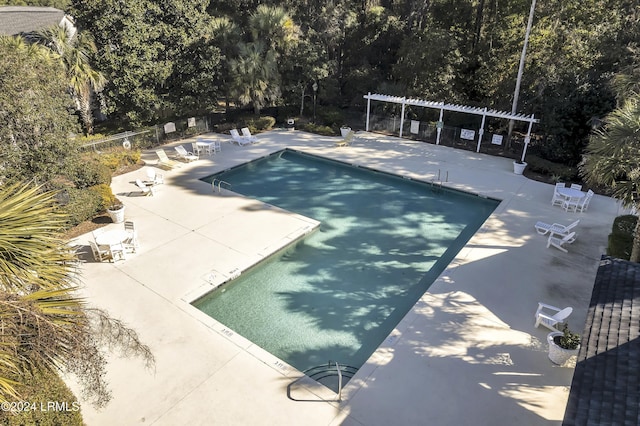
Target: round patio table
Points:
(113, 237)
(571, 193)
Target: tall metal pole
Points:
(516, 93)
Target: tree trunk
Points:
(302, 101)
(635, 251)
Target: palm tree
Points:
(612, 159)
(74, 50)
(255, 72)
(43, 325)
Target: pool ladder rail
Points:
(438, 181)
(220, 182)
(331, 369)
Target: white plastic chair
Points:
(146, 189)
(571, 204)
(550, 319)
(186, 155)
(543, 228)
(197, 150)
(576, 186)
(559, 242)
(100, 253)
(165, 161)
(117, 252)
(558, 198)
(131, 243)
(154, 177)
(240, 140)
(582, 207)
(248, 136)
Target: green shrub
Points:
(332, 117)
(105, 195)
(51, 403)
(82, 204)
(89, 172)
(320, 130)
(262, 123)
(621, 236)
(546, 167)
(120, 158)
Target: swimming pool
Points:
(338, 294)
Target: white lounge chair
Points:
(543, 228)
(550, 319)
(558, 198)
(165, 161)
(559, 242)
(248, 136)
(240, 140)
(185, 155)
(146, 189)
(347, 139)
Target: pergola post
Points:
(366, 127)
(439, 126)
(402, 116)
(481, 131)
(527, 139)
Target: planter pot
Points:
(559, 355)
(518, 168)
(344, 131)
(116, 214)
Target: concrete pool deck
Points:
(467, 353)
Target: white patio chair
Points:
(543, 228)
(197, 150)
(186, 155)
(154, 177)
(146, 189)
(131, 243)
(117, 252)
(559, 242)
(558, 198)
(571, 204)
(552, 316)
(248, 136)
(576, 186)
(100, 253)
(582, 207)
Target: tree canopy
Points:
(171, 56)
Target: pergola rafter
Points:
(484, 112)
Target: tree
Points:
(256, 78)
(35, 112)
(612, 159)
(153, 54)
(74, 49)
(44, 325)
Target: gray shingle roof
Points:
(16, 20)
(605, 389)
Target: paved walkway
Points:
(466, 354)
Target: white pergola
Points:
(484, 112)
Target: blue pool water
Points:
(339, 293)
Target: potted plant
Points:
(344, 131)
(563, 345)
(113, 205)
(518, 167)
